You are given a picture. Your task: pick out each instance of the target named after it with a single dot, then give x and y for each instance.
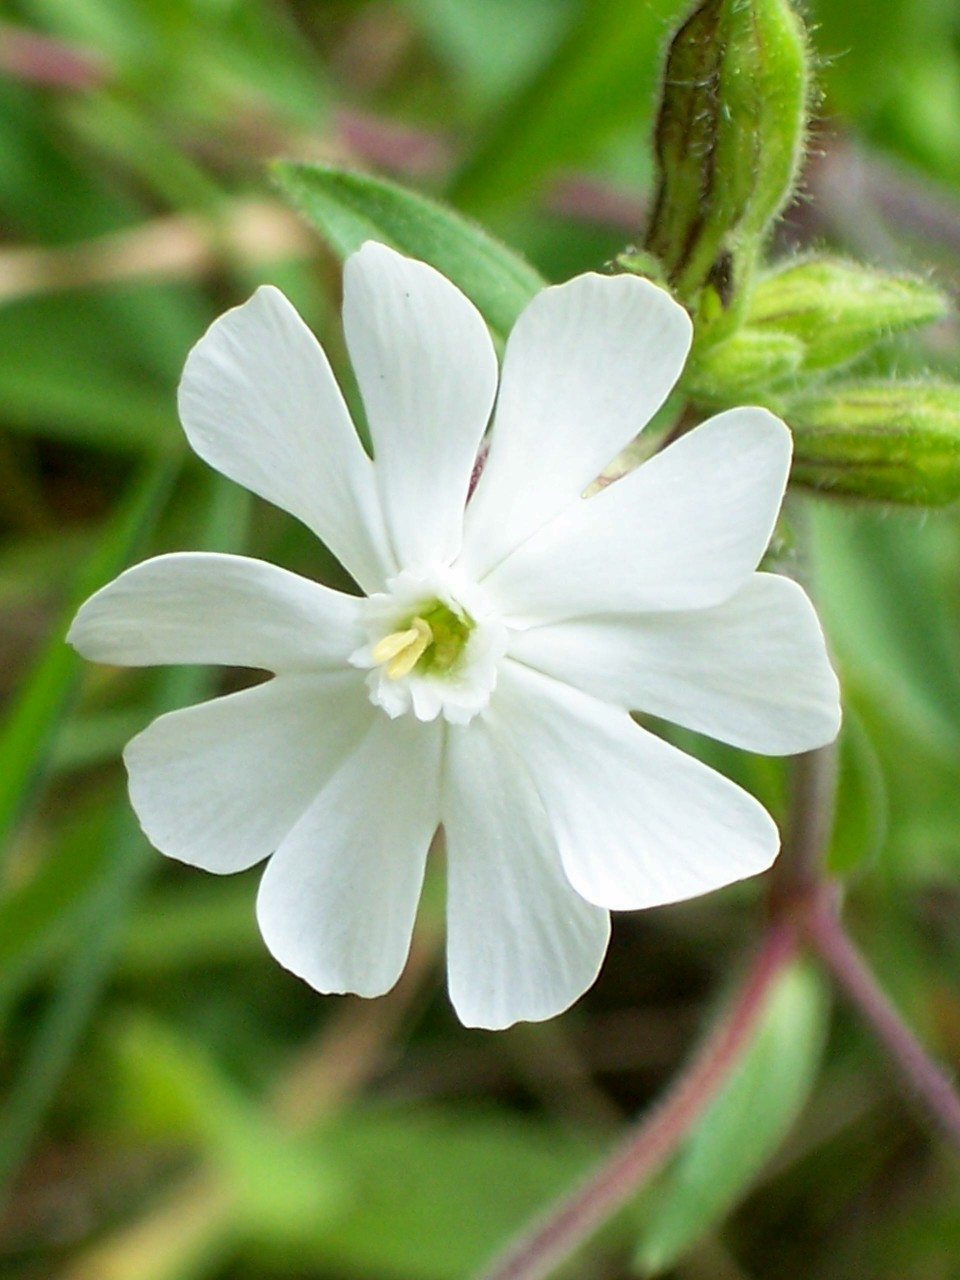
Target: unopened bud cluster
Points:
(729, 146)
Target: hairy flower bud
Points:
(894, 441)
(752, 364)
(729, 139)
(838, 310)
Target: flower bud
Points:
(895, 441)
(840, 309)
(729, 138)
(752, 364)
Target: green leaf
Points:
(743, 1126)
(490, 47)
(886, 591)
(348, 208)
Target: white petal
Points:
(338, 898)
(752, 671)
(521, 944)
(259, 402)
(638, 822)
(231, 610)
(586, 367)
(428, 375)
(683, 531)
(221, 784)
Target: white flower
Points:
(484, 680)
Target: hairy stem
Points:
(927, 1081)
(658, 1135)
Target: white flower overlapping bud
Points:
(485, 678)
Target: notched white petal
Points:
(220, 785)
(522, 945)
(586, 367)
(638, 822)
(338, 899)
(259, 402)
(752, 671)
(427, 373)
(684, 531)
(199, 607)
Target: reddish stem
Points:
(927, 1081)
(570, 1222)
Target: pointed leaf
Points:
(743, 1126)
(348, 208)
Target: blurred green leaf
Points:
(97, 367)
(862, 815)
(493, 46)
(93, 738)
(36, 917)
(50, 1049)
(433, 1192)
(897, 80)
(743, 1126)
(28, 727)
(890, 609)
(190, 925)
(348, 208)
(125, 133)
(600, 80)
(43, 175)
(281, 1184)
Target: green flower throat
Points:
(432, 641)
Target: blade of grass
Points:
(29, 726)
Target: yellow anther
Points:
(402, 650)
(393, 644)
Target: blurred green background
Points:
(174, 1105)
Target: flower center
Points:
(433, 641)
(434, 646)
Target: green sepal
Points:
(892, 441)
(840, 309)
(752, 364)
(729, 140)
(637, 262)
